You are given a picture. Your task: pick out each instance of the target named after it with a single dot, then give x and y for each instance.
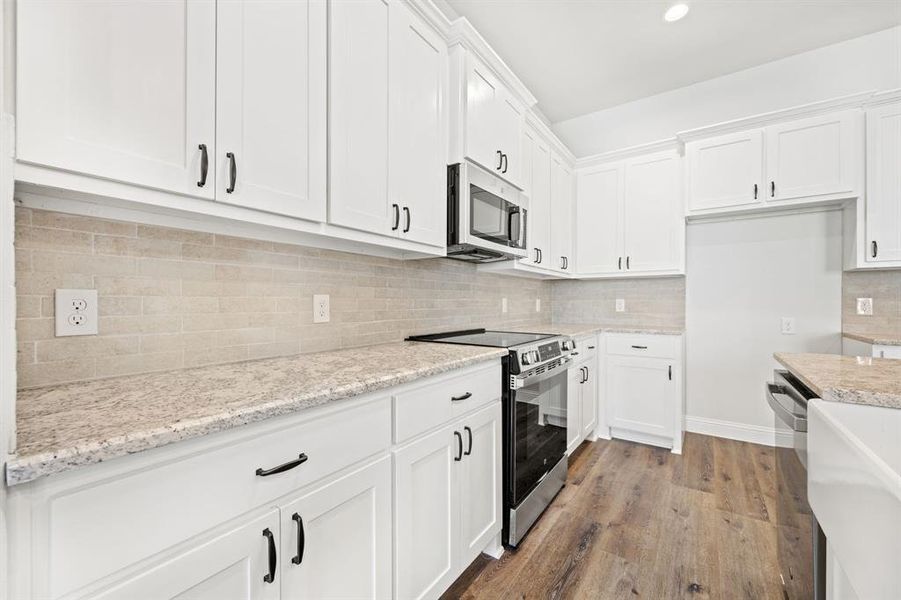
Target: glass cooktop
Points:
(481, 337)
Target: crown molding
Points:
(886, 97)
(777, 116)
(668, 144)
(432, 15)
(543, 129)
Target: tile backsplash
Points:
(884, 287)
(172, 298)
(656, 302)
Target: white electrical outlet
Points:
(321, 311)
(503, 305)
(788, 325)
(620, 305)
(537, 304)
(76, 312)
(865, 306)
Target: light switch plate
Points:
(321, 309)
(865, 306)
(503, 305)
(620, 305)
(537, 304)
(75, 312)
(788, 325)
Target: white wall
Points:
(743, 277)
(870, 62)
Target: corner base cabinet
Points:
(582, 394)
(643, 389)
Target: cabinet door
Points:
(653, 219)
(574, 408)
(812, 157)
(426, 509)
(599, 201)
(480, 482)
(229, 566)
(883, 200)
(336, 539)
(509, 132)
(725, 171)
(483, 96)
(417, 155)
(358, 116)
(561, 217)
(120, 90)
(271, 106)
(589, 397)
(539, 215)
(640, 395)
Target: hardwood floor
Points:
(639, 522)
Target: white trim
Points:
(886, 97)
(731, 430)
(777, 116)
(515, 268)
(533, 120)
(668, 144)
(768, 210)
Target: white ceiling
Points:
(580, 56)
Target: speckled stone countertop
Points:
(582, 329)
(884, 338)
(63, 427)
(852, 379)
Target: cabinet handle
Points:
(619, 263)
(755, 191)
(232, 172)
(204, 164)
(396, 217)
(537, 256)
(469, 436)
(587, 374)
(407, 214)
(540, 256)
(302, 458)
(772, 189)
(591, 347)
(459, 456)
(500, 160)
(640, 347)
(875, 248)
(301, 539)
(273, 557)
(504, 158)
(628, 258)
(465, 396)
(670, 372)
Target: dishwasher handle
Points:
(780, 403)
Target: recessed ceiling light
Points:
(676, 12)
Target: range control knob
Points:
(525, 359)
(568, 345)
(535, 356)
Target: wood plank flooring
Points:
(639, 522)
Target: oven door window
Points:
(494, 219)
(539, 436)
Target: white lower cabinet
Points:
(643, 389)
(447, 502)
(230, 565)
(582, 396)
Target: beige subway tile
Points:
(34, 329)
(175, 269)
(243, 273)
(28, 307)
(41, 374)
(224, 254)
(278, 319)
(215, 322)
(42, 238)
(118, 325)
(48, 306)
(143, 247)
(44, 284)
(174, 235)
(57, 262)
(288, 333)
(242, 337)
(24, 354)
(119, 305)
(179, 305)
(43, 218)
(66, 347)
(215, 356)
(115, 366)
(282, 248)
(163, 342)
(229, 241)
(256, 351)
(22, 216)
(214, 288)
(247, 305)
(137, 286)
(22, 261)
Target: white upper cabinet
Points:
(725, 171)
(388, 153)
(271, 106)
(599, 244)
(561, 255)
(538, 217)
(492, 121)
(653, 221)
(813, 157)
(883, 200)
(119, 90)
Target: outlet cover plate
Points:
(75, 312)
(537, 304)
(503, 305)
(620, 305)
(865, 306)
(788, 325)
(321, 310)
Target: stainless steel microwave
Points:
(486, 219)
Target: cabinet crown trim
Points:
(668, 144)
(777, 116)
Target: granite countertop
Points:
(582, 329)
(852, 379)
(883, 338)
(63, 427)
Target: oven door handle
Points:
(518, 381)
(773, 396)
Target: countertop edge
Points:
(874, 339)
(22, 469)
(842, 394)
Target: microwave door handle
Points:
(514, 238)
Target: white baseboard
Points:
(756, 434)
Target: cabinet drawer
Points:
(421, 408)
(657, 346)
(126, 518)
(587, 348)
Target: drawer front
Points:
(656, 346)
(587, 347)
(97, 529)
(424, 407)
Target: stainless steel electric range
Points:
(534, 419)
